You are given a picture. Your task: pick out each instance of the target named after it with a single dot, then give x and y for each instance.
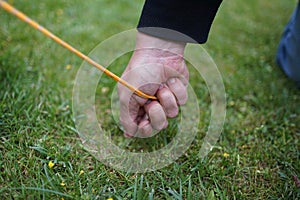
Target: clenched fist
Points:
(157, 68)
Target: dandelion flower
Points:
(59, 12)
(110, 198)
(226, 155)
(231, 103)
(51, 164)
(81, 172)
(68, 67)
(63, 184)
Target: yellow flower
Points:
(51, 164)
(68, 67)
(110, 198)
(62, 198)
(226, 155)
(63, 184)
(59, 12)
(81, 172)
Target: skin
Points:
(157, 68)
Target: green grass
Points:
(261, 133)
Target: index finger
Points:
(128, 117)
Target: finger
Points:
(144, 128)
(178, 89)
(129, 112)
(156, 115)
(180, 71)
(168, 102)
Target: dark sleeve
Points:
(192, 18)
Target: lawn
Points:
(42, 157)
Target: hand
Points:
(157, 68)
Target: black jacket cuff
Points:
(187, 21)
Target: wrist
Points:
(150, 42)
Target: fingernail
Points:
(166, 124)
(173, 113)
(171, 81)
(128, 135)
